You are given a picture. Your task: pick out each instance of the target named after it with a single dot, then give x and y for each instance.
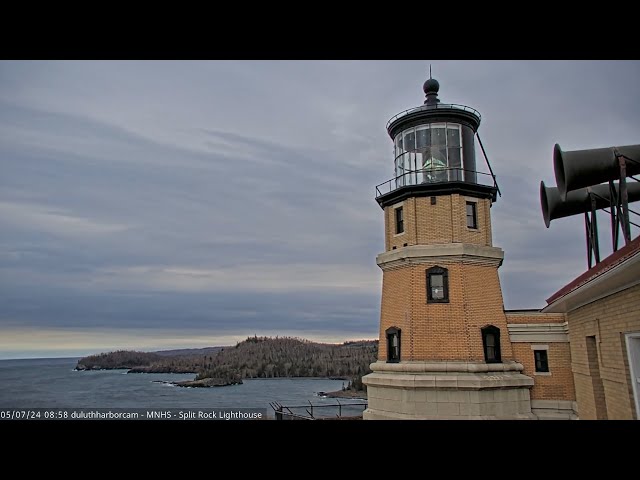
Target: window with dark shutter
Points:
(393, 344)
(472, 215)
(491, 344)
(437, 285)
(542, 360)
(399, 220)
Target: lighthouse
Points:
(444, 350)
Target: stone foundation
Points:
(554, 409)
(447, 391)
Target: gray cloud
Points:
(239, 196)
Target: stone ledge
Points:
(448, 396)
(538, 332)
(441, 252)
(445, 367)
(374, 414)
(554, 409)
(465, 381)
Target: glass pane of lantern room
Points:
(455, 163)
(453, 135)
(409, 140)
(438, 134)
(409, 167)
(423, 141)
(400, 170)
(438, 156)
(410, 158)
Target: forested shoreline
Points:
(255, 357)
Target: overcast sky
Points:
(174, 204)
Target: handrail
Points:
(455, 106)
(401, 180)
(279, 410)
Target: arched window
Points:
(437, 285)
(491, 344)
(393, 344)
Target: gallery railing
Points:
(331, 411)
(434, 176)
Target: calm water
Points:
(52, 383)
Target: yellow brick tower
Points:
(444, 348)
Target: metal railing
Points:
(434, 176)
(448, 106)
(341, 411)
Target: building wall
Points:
(443, 331)
(436, 332)
(409, 235)
(444, 222)
(557, 384)
(395, 309)
(607, 320)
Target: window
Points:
(542, 360)
(472, 216)
(491, 344)
(399, 220)
(437, 285)
(393, 345)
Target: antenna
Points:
(430, 71)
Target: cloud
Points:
(43, 218)
(251, 278)
(228, 197)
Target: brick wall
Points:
(443, 331)
(558, 385)
(607, 320)
(535, 317)
(444, 222)
(452, 331)
(396, 309)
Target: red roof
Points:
(616, 258)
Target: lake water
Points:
(53, 383)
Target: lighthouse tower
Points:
(444, 347)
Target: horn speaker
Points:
(578, 201)
(582, 168)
